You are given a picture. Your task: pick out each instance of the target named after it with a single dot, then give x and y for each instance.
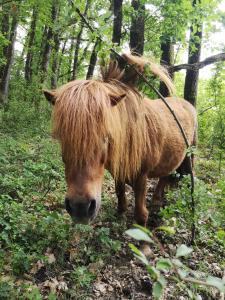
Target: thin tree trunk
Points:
(5, 33)
(55, 62)
(42, 46)
(48, 45)
(191, 79)
(117, 21)
(137, 28)
(93, 60)
(4, 84)
(61, 56)
(77, 47)
(83, 54)
(70, 58)
(167, 60)
(31, 39)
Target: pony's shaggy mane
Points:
(83, 117)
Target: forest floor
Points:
(44, 256)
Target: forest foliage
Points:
(44, 44)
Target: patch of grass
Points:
(82, 277)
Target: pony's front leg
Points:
(140, 189)
(120, 192)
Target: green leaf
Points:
(183, 250)
(138, 254)
(166, 229)
(221, 234)
(135, 249)
(155, 274)
(142, 259)
(139, 235)
(146, 230)
(217, 282)
(164, 265)
(177, 262)
(157, 290)
(163, 281)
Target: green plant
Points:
(170, 265)
(82, 277)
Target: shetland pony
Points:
(107, 123)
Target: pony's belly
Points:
(166, 166)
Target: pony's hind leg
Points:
(158, 198)
(140, 189)
(120, 192)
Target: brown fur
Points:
(144, 139)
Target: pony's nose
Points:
(81, 210)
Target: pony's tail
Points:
(140, 63)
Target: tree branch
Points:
(196, 66)
(206, 109)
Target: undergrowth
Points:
(42, 254)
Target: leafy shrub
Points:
(170, 266)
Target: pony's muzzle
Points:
(81, 211)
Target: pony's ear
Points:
(50, 96)
(115, 99)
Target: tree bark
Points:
(31, 39)
(71, 51)
(48, 44)
(191, 79)
(61, 56)
(167, 60)
(5, 32)
(117, 21)
(42, 46)
(4, 84)
(93, 60)
(137, 28)
(77, 47)
(55, 62)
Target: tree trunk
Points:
(31, 38)
(117, 21)
(93, 60)
(5, 33)
(137, 28)
(48, 45)
(70, 58)
(42, 46)
(77, 47)
(4, 84)
(191, 79)
(55, 62)
(167, 60)
(61, 56)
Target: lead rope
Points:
(193, 228)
